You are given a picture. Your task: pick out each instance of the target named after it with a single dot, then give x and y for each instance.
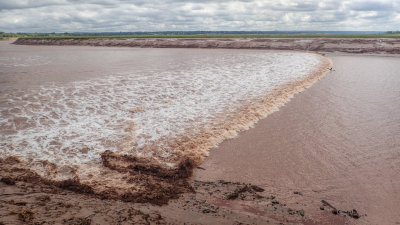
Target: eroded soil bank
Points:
(217, 202)
(347, 45)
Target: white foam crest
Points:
(71, 123)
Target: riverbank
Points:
(212, 202)
(345, 45)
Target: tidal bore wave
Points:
(137, 135)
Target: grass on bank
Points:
(280, 35)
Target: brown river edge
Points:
(348, 45)
(286, 187)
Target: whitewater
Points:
(184, 105)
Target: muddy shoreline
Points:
(26, 198)
(345, 45)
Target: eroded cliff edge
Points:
(346, 45)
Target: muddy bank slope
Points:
(213, 202)
(347, 45)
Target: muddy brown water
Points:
(337, 141)
(150, 102)
(63, 106)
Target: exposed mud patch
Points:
(134, 165)
(8, 180)
(158, 183)
(73, 185)
(208, 203)
(33, 199)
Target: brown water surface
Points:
(338, 140)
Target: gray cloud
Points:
(371, 5)
(22, 4)
(301, 6)
(164, 15)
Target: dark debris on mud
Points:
(351, 213)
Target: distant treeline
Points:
(210, 34)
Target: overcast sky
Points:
(172, 15)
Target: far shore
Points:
(343, 45)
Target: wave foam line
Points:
(197, 147)
(136, 179)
